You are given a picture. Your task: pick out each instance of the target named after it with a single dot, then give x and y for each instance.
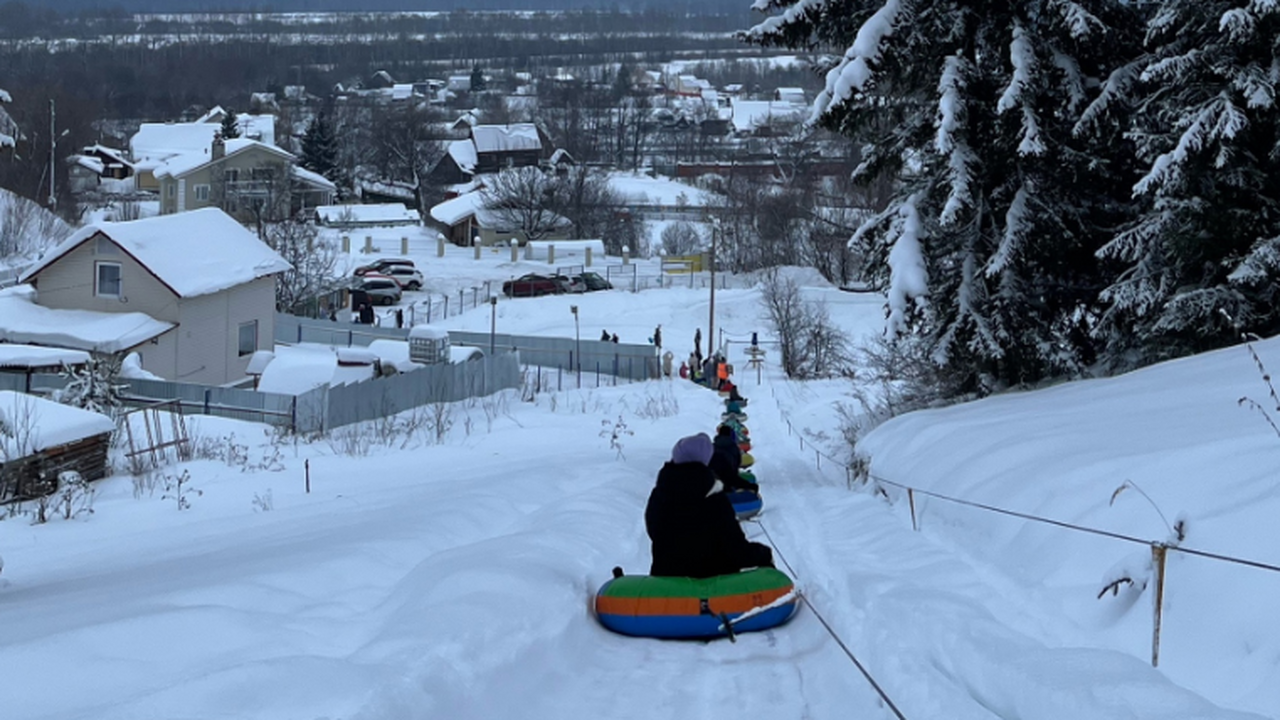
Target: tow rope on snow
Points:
(827, 626)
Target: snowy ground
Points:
(425, 579)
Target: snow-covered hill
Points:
(425, 580)
(26, 229)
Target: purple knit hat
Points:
(695, 448)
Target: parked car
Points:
(593, 281)
(530, 285)
(380, 265)
(408, 276)
(381, 290)
(570, 284)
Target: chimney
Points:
(219, 149)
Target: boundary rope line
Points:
(827, 626)
(1258, 564)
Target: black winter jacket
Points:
(693, 534)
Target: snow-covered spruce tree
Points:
(230, 128)
(1001, 126)
(320, 147)
(1202, 263)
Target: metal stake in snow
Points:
(1158, 553)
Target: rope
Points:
(830, 631)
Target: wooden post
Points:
(911, 500)
(368, 243)
(478, 249)
(515, 252)
(307, 465)
(346, 243)
(1158, 553)
(404, 245)
(551, 254)
(587, 260)
(439, 245)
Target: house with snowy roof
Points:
(192, 294)
(764, 117)
(467, 220)
(365, 216)
(156, 143)
(488, 149)
(242, 177)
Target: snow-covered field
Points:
(425, 579)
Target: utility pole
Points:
(711, 324)
(53, 155)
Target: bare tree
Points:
(809, 343)
(314, 262)
(681, 238)
(404, 145)
(584, 197)
(524, 199)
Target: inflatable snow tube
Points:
(745, 446)
(748, 476)
(678, 608)
(746, 504)
(732, 406)
(747, 460)
(738, 416)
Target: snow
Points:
(199, 252)
(565, 249)
(430, 576)
(297, 369)
(180, 165)
(160, 141)
(33, 356)
(312, 178)
(453, 211)
(23, 321)
(381, 214)
(131, 368)
(750, 114)
(638, 189)
(463, 153)
(49, 423)
(428, 332)
(505, 138)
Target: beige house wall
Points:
(70, 283)
(160, 355)
(180, 194)
(209, 331)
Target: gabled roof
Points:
(193, 253)
(463, 153)
(504, 138)
(187, 163)
(158, 141)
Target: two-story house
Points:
(199, 284)
(488, 149)
(246, 178)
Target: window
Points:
(171, 190)
(108, 279)
(248, 338)
(202, 193)
(232, 174)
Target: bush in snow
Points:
(1273, 398)
(178, 488)
(615, 431)
(95, 386)
(810, 345)
(681, 238)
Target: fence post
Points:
(817, 458)
(346, 243)
(368, 243)
(206, 399)
(299, 330)
(428, 308)
(551, 254)
(439, 245)
(515, 252)
(404, 245)
(911, 500)
(307, 464)
(478, 249)
(1158, 553)
(446, 306)
(293, 414)
(587, 259)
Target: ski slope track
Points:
(454, 581)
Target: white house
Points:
(193, 294)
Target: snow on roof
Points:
(88, 162)
(297, 369)
(52, 424)
(452, 212)
(215, 114)
(402, 91)
(112, 153)
(642, 190)
(749, 114)
(33, 356)
(23, 321)
(313, 178)
(428, 332)
(394, 353)
(257, 127)
(502, 138)
(561, 155)
(382, 214)
(195, 253)
(160, 141)
(259, 362)
(190, 161)
(463, 153)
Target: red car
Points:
(530, 285)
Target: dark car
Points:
(377, 267)
(530, 285)
(593, 281)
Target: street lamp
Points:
(577, 342)
(493, 321)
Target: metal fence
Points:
(624, 360)
(323, 408)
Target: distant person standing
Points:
(657, 337)
(604, 336)
(399, 317)
(615, 338)
(366, 314)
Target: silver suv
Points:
(381, 290)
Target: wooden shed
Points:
(39, 439)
